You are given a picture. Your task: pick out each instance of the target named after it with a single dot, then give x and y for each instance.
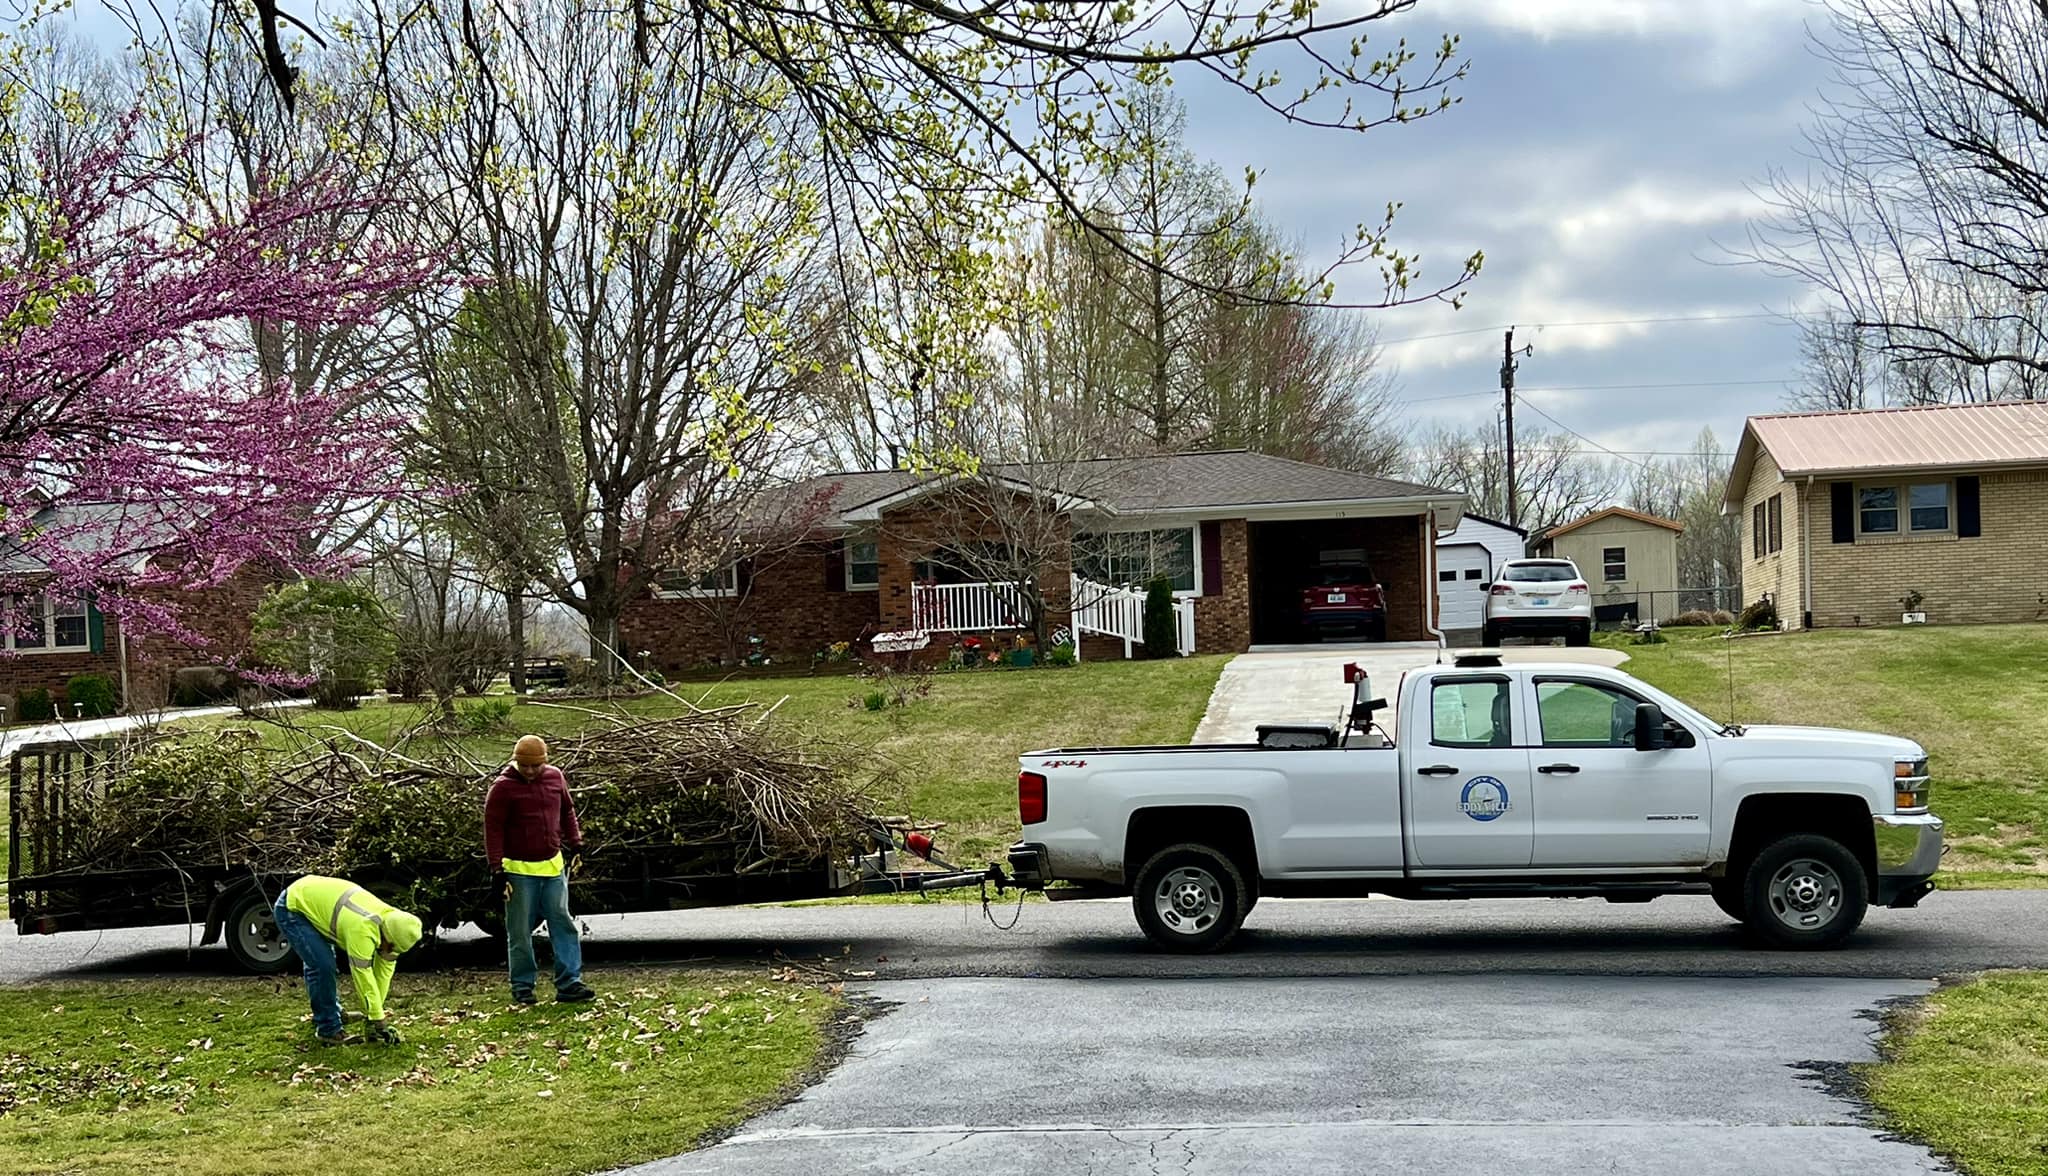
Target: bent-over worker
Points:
(325, 919)
(529, 821)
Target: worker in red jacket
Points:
(529, 824)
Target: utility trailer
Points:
(54, 787)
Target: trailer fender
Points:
(223, 904)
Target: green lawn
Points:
(210, 1079)
(1967, 1073)
(954, 751)
(1976, 697)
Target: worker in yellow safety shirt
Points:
(328, 919)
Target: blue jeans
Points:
(321, 965)
(534, 899)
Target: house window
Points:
(1614, 563)
(863, 564)
(1923, 505)
(46, 622)
(723, 581)
(1757, 527)
(1775, 539)
(1927, 506)
(1133, 558)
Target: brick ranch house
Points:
(1238, 533)
(58, 635)
(1844, 513)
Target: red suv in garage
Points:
(1344, 596)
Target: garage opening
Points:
(1298, 567)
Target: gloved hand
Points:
(501, 884)
(575, 861)
(380, 1033)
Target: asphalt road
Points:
(1681, 936)
(1535, 1075)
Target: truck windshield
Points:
(1540, 573)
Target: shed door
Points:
(1463, 571)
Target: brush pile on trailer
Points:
(706, 792)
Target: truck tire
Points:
(1805, 892)
(1190, 899)
(1728, 896)
(253, 938)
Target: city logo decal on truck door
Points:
(1484, 798)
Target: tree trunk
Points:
(515, 637)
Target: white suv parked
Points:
(1539, 598)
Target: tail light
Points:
(1030, 798)
(1503, 590)
(1577, 589)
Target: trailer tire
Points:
(1805, 892)
(253, 938)
(1190, 898)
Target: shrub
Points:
(35, 706)
(1161, 638)
(483, 718)
(1060, 655)
(91, 695)
(1650, 637)
(1762, 614)
(201, 686)
(1692, 616)
(1723, 617)
(337, 634)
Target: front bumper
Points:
(1909, 850)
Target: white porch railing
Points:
(1120, 612)
(968, 608)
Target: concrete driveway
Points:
(1477, 1074)
(1305, 684)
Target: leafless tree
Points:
(1925, 213)
(1556, 479)
(1690, 490)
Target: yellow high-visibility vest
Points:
(353, 920)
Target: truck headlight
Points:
(1909, 784)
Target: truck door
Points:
(1468, 781)
(1599, 801)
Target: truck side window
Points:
(1469, 713)
(1580, 714)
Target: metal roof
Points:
(1927, 437)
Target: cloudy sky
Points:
(1602, 155)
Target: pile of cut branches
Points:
(722, 790)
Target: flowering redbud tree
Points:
(139, 448)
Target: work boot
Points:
(338, 1037)
(524, 996)
(576, 993)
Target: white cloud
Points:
(1720, 20)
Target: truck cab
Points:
(1491, 779)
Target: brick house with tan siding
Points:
(1843, 513)
(1238, 533)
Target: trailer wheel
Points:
(1190, 898)
(253, 937)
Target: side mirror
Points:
(1650, 733)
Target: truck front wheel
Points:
(1190, 899)
(1805, 891)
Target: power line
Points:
(1597, 388)
(1634, 322)
(1588, 440)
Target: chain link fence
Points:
(1626, 610)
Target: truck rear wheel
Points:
(253, 938)
(1190, 898)
(1806, 892)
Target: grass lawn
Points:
(210, 1079)
(954, 751)
(1975, 696)
(1967, 1073)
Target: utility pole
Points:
(1507, 389)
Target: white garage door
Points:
(1463, 573)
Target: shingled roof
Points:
(1171, 483)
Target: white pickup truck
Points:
(1515, 780)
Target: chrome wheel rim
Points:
(259, 939)
(1806, 894)
(1189, 900)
